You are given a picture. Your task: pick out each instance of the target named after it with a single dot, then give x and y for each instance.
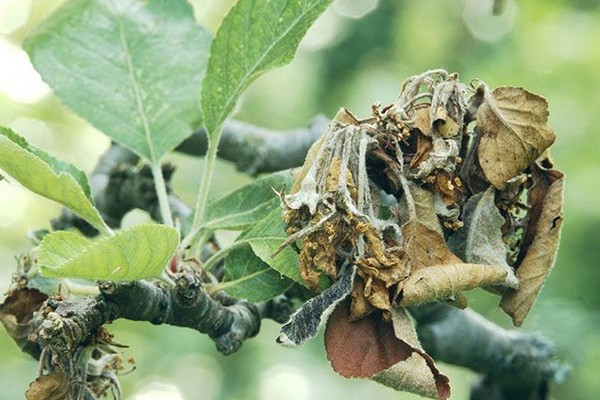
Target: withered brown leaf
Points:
(53, 386)
(363, 348)
(418, 204)
(359, 306)
(514, 132)
(540, 243)
(418, 373)
(422, 121)
(448, 187)
(376, 293)
(426, 247)
(443, 281)
(16, 313)
(423, 151)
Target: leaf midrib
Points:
(215, 222)
(232, 283)
(136, 90)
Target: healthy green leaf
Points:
(243, 207)
(265, 239)
(132, 68)
(248, 277)
(254, 37)
(136, 253)
(47, 176)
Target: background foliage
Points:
(357, 54)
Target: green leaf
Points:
(136, 253)
(254, 37)
(245, 206)
(47, 176)
(132, 68)
(266, 237)
(248, 277)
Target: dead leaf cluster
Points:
(448, 188)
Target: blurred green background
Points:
(356, 54)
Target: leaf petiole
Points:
(161, 192)
(202, 199)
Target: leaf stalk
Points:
(209, 166)
(161, 192)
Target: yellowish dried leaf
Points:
(377, 294)
(426, 247)
(359, 306)
(343, 117)
(443, 281)
(447, 129)
(379, 268)
(53, 386)
(308, 163)
(422, 202)
(541, 253)
(514, 132)
(422, 121)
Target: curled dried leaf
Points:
(418, 373)
(17, 315)
(423, 151)
(53, 386)
(445, 281)
(540, 243)
(442, 157)
(514, 132)
(448, 108)
(422, 121)
(22, 304)
(360, 307)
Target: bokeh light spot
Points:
(18, 79)
(284, 382)
(486, 26)
(158, 391)
(13, 14)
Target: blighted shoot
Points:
(446, 189)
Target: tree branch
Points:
(226, 320)
(514, 365)
(256, 150)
